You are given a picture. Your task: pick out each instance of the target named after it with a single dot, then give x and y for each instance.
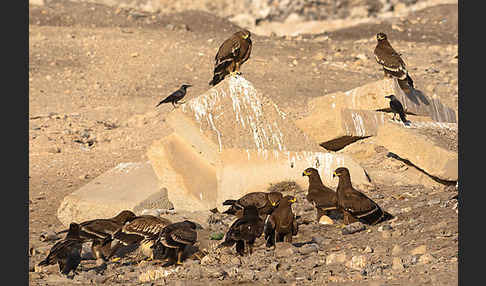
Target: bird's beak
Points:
(273, 204)
(305, 173)
(293, 200)
(334, 174)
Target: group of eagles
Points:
(257, 213)
(236, 50)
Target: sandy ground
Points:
(95, 72)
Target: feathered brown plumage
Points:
(143, 230)
(391, 61)
(98, 230)
(231, 55)
(321, 197)
(175, 237)
(244, 231)
(263, 201)
(281, 225)
(355, 205)
(67, 252)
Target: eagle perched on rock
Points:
(391, 61)
(231, 55)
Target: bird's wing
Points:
(257, 199)
(358, 204)
(323, 199)
(246, 46)
(147, 226)
(396, 105)
(228, 51)
(184, 235)
(59, 248)
(269, 225)
(94, 231)
(295, 227)
(386, 56)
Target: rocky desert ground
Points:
(96, 73)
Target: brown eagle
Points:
(355, 205)
(97, 230)
(281, 225)
(323, 198)
(231, 55)
(265, 202)
(391, 61)
(67, 252)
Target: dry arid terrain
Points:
(96, 73)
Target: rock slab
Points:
(232, 140)
(128, 186)
(359, 112)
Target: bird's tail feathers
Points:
(227, 242)
(269, 233)
(229, 202)
(44, 262)
(410, 81)
(216, 79)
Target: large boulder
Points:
(128, 186)
(231, 140)
(359, 112)
(420, 149)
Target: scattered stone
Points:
(386, 234)
(284, 249)
(385, 227)
(397, 264)
(396, 250)
(49, 236)
(274, 266)
(433, 202)
(325, 220)
(368, 249)
(419, 250)
(357, 262)
(336, 258)
(54, 150)
(353, 228)
(406, 210)
(426, 259)
(308, 248)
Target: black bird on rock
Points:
(175, 237)
(98, 230)
(355, 205)
(244, 231)
(391, 61)
(323, 198)
(232, 53)
(176, 96)
(281, 225)
(67, 252)
(397, 107)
